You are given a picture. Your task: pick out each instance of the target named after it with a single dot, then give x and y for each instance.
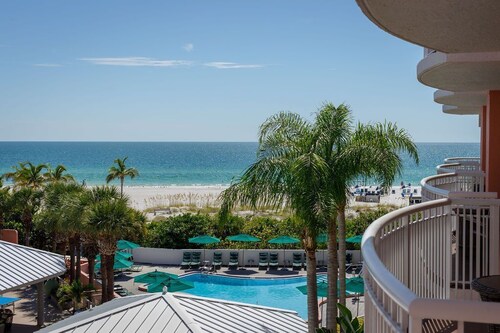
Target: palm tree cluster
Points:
(80, 220)
(308, 167)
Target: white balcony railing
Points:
(420, 260)
(477, 160)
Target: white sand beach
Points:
(144, 197)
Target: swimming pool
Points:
(278, 293)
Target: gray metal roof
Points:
(179, 313)
(21, 266)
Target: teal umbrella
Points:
(126, 245)
(355, 285)
(322, 238)
(119, 264)
(153, 277)
(204, 239)
(321, 286)
(118, 254)
(172, 284)
(243, 238)
(354, 239)
(284, 240)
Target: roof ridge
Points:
(111, 311)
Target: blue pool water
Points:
(277, 293)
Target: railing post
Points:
(415, 325)
(494, 249)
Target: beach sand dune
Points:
(144, 197)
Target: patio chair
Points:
(233, 260)
(195, 260)
(273, 260)
(186, 260)
(297, 261)
(263, 260)
(217, 260)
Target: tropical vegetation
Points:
(308, 167)
(120, 171)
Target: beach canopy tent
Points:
(123, 244)
(244, 238)
(176, 313)
(284, 240)
(170, 284)
(355, 239)
(22, 266)
(203, 240)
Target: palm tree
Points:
(109, 217)
(58, 174)
(27, 175)
(288, 173)
(121, 171)
(368, 150)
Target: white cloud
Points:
(47, 65)
(188, 47)
(231, 65)
(137, 61)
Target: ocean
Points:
(185, 163)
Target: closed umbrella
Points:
(284, 240)
(204, 240)
(123, 244)
(153, 277)
(243, 238)
(172, 284)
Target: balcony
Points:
(460, 72)
(420, 260)
(466, 26)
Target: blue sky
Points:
(203, 70)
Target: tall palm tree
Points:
(26, 202)
(58, 174)
(368, 150)
(121, 171)
(288, 173)
(110, 218)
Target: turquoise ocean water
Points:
(184, 163)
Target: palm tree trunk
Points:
(122, 179)
(332, 273)
(104, 278)
(78, 245)
(91, 259)
(71, 259)
(111, 277)
(342, 251)
(312, 291)
(27, 221)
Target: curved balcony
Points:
(468, 26)
(420, 261)
(460, 72)
(476, 160)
